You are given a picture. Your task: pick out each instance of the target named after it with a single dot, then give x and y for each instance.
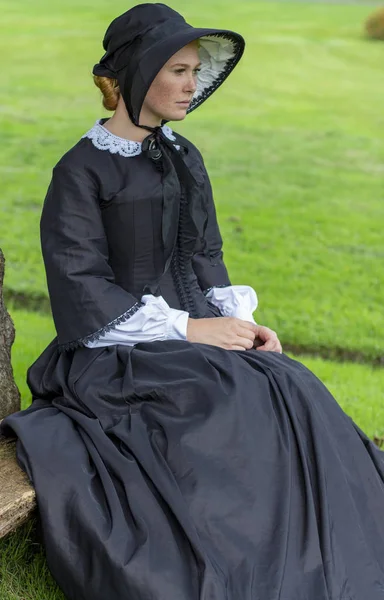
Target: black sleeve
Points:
(208, 263)
(85, 300)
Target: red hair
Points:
(110, 90)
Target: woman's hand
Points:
(267, 340)
(230, 333)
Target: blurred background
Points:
(293, 142)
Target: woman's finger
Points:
(270, 339)
(271, 343)
(266, 334)
(269, 347)
(248, 325)
(246, 333)
(245, 342)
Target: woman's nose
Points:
(191, 85)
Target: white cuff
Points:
(235, 301)
(156, 320)
(176, 326)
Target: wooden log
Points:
(17, 496)
(9, 394)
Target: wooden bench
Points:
(17, 496)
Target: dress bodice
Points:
(132, 219)
(102, 232)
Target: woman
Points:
(176, 453)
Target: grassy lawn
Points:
(24, 574)
(297, 172)
(33, 333)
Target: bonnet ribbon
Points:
(168, 160)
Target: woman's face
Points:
(175, 83)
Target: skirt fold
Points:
(178, 471)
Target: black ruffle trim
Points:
(92, 337)
(178, 265)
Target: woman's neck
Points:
(121, 125)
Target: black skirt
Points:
(179, 471)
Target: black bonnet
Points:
(139, 42)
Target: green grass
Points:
(33, 333)
(24, 574)
(359, 389)
(292, 142)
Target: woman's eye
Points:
(183, 70)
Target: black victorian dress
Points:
(171, 470)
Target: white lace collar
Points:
(103, 139)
